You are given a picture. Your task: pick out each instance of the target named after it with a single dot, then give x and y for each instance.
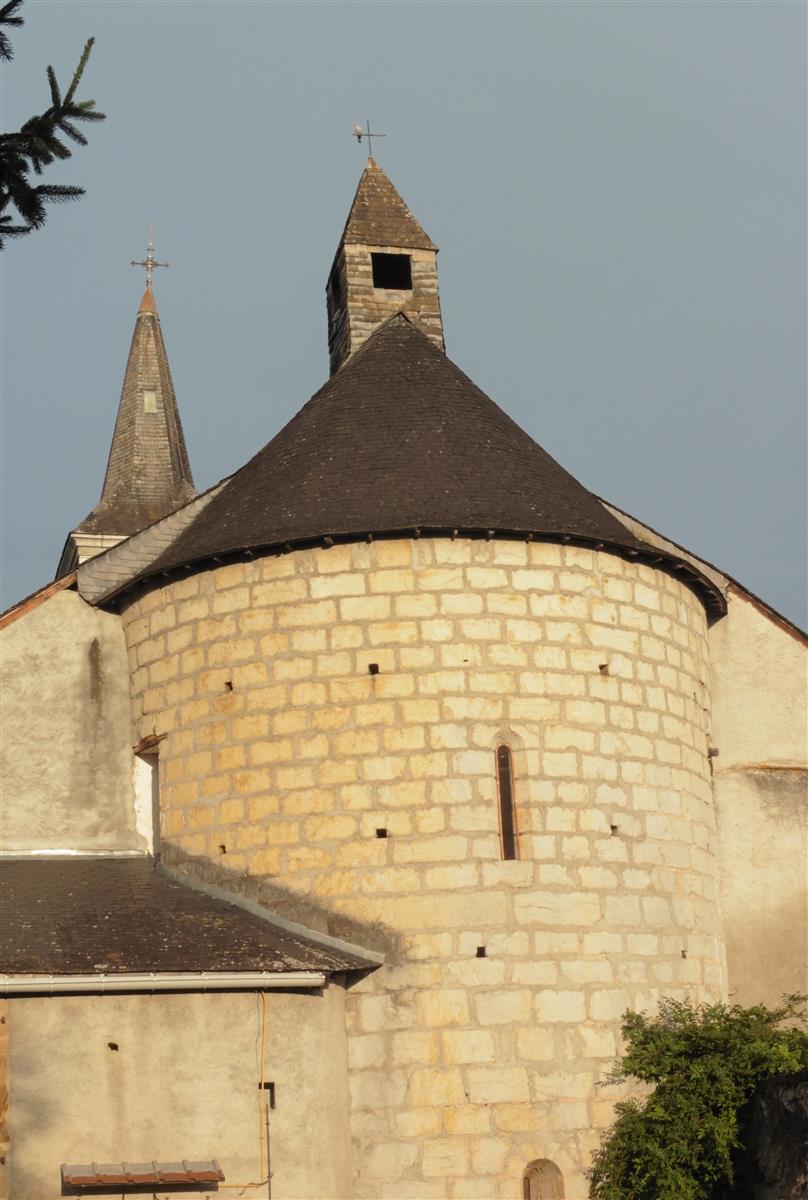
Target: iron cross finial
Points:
(149, 262)
(359, 133)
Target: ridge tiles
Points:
(148, 472)
(398, 439)
(379, 217)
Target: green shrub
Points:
(705, 1061)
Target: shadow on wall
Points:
(32, 1113)
(166, 1189)
(284, 902)
(775, 1162)
(763, 832)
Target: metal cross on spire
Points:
(149, 262)
(360, 133)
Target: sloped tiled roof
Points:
(379, 217)
(123, 1174)
(398, 439)
(148, 472)
(123, 915)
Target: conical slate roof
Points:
(379, 217)
(399, 439)
(148, 473)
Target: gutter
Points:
(64, 852)
(185, 981)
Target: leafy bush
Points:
(705, 1061)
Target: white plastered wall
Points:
(182, 1082)
(65, 731)
(760, 693)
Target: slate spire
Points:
(385, 263)
(148, 473)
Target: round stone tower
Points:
(418, 686)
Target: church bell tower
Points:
(385, 264)
(148, 473)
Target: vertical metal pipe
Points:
(269, 1160)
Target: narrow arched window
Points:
(542, 1180)
(507, 816)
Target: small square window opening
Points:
(392, 271)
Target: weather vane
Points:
(149, 262)
(360, 133)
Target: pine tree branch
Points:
(38, 143)
(54, 88)
(59, 192)
(7, 17)
(85, 54)
(74, 134)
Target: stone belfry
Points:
(385, 264)
(148, 473)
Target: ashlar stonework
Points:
(501, 759)
(380, 224)
(284, 757)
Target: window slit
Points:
(507, 816)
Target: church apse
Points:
(462, 1065)
(410, 678)
(410, 670)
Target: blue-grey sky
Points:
(618, 191)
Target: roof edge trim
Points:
(33, 601)
(766, 610)
(371, 957)
(101, 577)
(730, 584)
(711, 595)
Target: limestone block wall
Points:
(477, 1049)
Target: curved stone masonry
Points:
(478, 1047)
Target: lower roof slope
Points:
(124, 916)
(399, 439)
